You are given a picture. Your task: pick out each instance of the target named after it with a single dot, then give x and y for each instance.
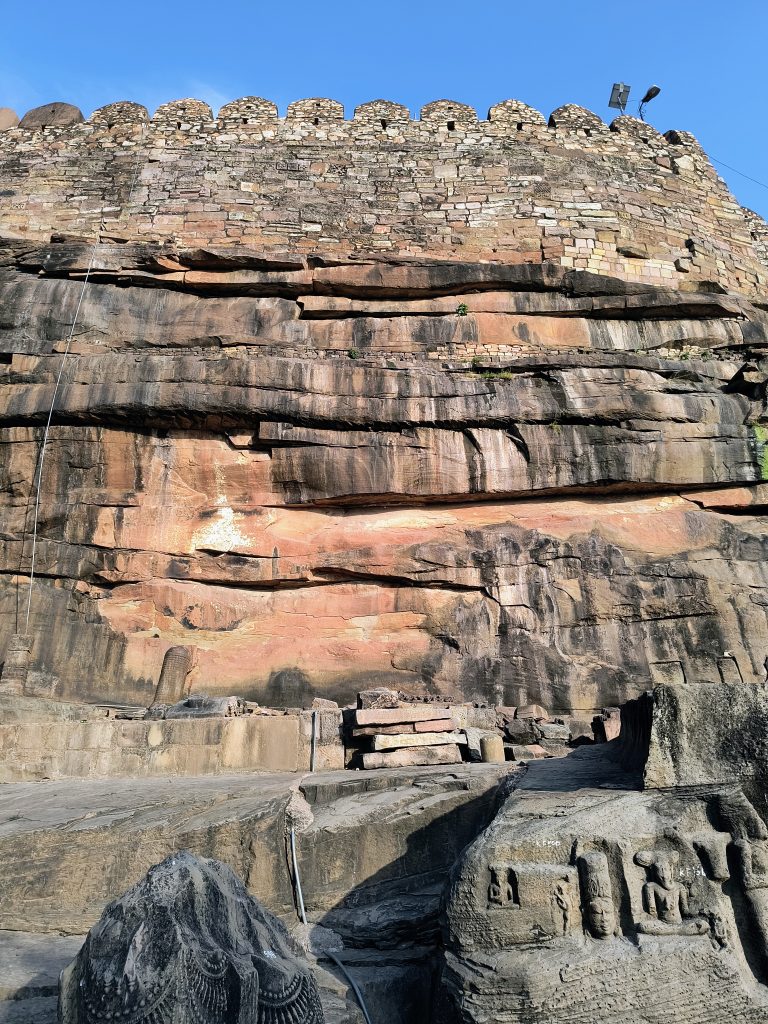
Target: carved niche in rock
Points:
(541, 898)
(665, 900)
(188, 945)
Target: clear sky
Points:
(708, 57)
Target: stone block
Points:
(413, 757)
(534, 711)
(554, 731)
(393, 716)
(527, 751)
(435, 725)
(427, 739)
(378, 697)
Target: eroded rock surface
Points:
(510, 483)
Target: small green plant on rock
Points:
(353, 353)
(462, 309)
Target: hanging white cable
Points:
(46, 432)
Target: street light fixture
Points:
(652, 93)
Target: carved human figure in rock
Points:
(562, 901)
(665, 901)
(753, 861)
(501, 891)
(188, 945)
(597, 894)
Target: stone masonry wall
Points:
(622, 200)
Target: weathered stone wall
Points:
(621, 200)
(53, 750)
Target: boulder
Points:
(50, 115)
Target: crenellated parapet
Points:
(315, 111)
(119, 114)
(250, 110)
(192, 117)
(516, 115)
(619, 199)
(448, 114)
(576, 120)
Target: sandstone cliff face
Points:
(501, 482)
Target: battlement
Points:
(619, 198)
(316, 117)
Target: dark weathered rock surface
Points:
(51, 115)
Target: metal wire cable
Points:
(46, 432)
(737, 171)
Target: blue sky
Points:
(708, 57)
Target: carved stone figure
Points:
(562, 901)
(597, 895)
(665, 901)
(177, 664)
(188, 945)
(503, 889)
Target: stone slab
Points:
(525, 751)
(426, 739)
(387, 730)
(393, 716)
(436, 725)
(448, 754)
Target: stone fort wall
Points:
(620, 199)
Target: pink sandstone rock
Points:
(8, 118)
(426, 739)
(393, 716)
